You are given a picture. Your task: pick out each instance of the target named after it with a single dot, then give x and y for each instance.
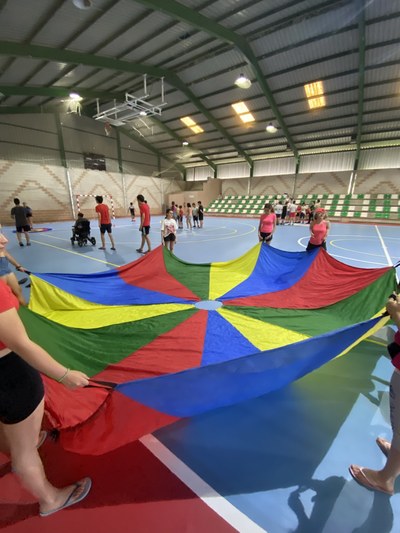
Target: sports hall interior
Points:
(234, 103)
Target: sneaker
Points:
(22, 281)
(28, 243)
(21, 243)
(101, 248)
(139, 250)
(113, 249)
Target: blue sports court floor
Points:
(278, 463)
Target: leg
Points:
(140, 249)
(111, 239)
(147, 239)
(19, 239)
(27, 237)
(383, 480)
(22, 440)
(103, 240)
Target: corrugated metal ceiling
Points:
(200, 47)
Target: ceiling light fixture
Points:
(243, 82)
(143, 113)
(185, 143)
(82, 4)
(271, 128)
(75, 96)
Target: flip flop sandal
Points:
(383, 445)
(85, 484)
(42, 437)
(362, 479)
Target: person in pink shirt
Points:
(319, 229)
(267, 225)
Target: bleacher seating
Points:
(382, 207)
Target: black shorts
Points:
(170, 237)
(266, 237)
(145, 230)
(311, 246)
(21, 229)
(21, 389)
(105, 228)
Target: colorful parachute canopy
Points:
(179, 339)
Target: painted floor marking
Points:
(205, 492)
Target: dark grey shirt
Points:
(19, 213)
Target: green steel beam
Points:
(361, 79)
(185, 14)
(150, 147)
(58, 92)
(78, 58)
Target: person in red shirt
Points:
(383, 480)
(144, 224)
(22, 406)
(103, 216)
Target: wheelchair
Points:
(81, 234)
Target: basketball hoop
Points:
(74, 107)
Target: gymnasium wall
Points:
(386, 181)
(31, 168)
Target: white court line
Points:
(337, 256)
(385, 250)
(332, 243)
(205, 492)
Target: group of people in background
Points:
(194, 214)
(173, 221)
(288, 212)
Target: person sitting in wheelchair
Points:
(81, 231)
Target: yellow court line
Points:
(75, 253)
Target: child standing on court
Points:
(103, 216)
(168, 230)
(267, 225)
